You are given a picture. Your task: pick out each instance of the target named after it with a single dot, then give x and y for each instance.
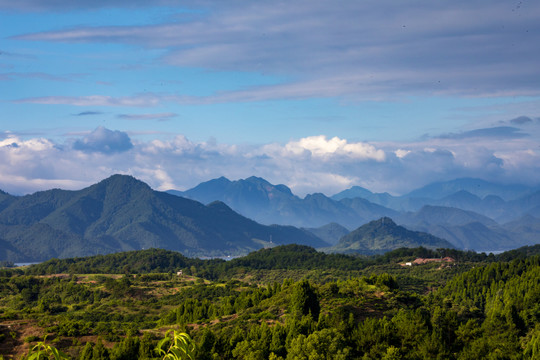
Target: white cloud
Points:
(321, 147)
(307, 165)
(22, 151)
(401, 153)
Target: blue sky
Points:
(388, 95)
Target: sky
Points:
(314, 94)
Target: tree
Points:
(327, 344)
(304, 300)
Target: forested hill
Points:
(384, 235)
(136, 262)
(478, 308)
(122, 213)
(277, 258)
(493, 310)
(159, 260)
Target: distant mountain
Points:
(245, 194)
(368, 210)
(444, 209)
(493, 206)
(464, 229)
(442, 215)
(462, 199)
(257, 199)
(382, 199)
(353, 192)
(480, 188)
(384, 235)
(526, 205)
(475, 236)
(501, 203)
(120, 214)
(331, 233)
(526, 227)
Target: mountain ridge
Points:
(121, 213)
(266, 203)
(384, 235)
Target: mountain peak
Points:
(118, 188)
(257, 179)
(382, 226)
(219, 205)
(384, 235)
(353, 192)
(315, 196)
(120, 179)
(221, 180)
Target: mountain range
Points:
(276, 204)
(122, 213)
(470, 213)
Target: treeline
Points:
(137, 262)
(280, 257)
(159, 261)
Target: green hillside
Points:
(481, 307)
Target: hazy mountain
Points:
(480, 188)
(525, 205)
(475, 195)
(121, 213)
(494, 206)
(246, 194)
(441, 215)
(396, 203)
(464, 229)
(445, 209)
(462, 199)
(367, 210)
(256, 198)
(475, 236)
(358, 191)
(384, 235)
(331, 233)
(440, 190)
(253, 197)
(526, 227)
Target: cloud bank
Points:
(307, 165)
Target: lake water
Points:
(25, 264)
